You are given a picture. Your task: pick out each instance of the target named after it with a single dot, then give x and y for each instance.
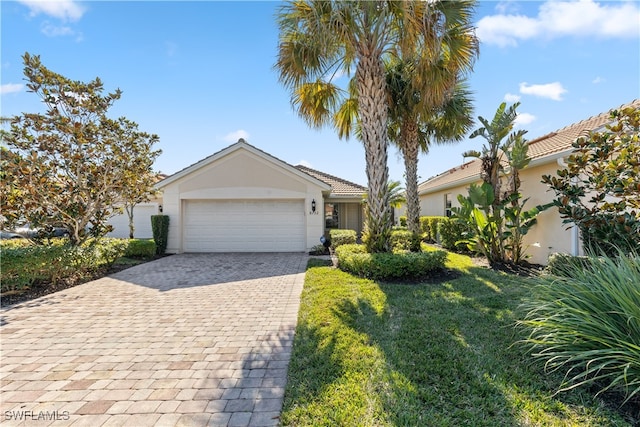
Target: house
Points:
(242, 199)
(548, 154)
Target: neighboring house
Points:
(548, 153)
(242, 199)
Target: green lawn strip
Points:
(368, 353)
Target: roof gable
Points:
(234, 149)
(548, 147)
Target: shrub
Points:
(563, 264)
(598, 190)
(404, 240)
(402, 220)
(586, 323)
(160, 229)
(139, 248)
(342, 237)
(33, 265)
(319, 250)
(429, 226)
(389, 266)
(452, 234)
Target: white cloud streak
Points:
(523, 119)
(550, 90)
(583, 18)
(65, 10)
(10, 88)
(512, 98)
(233, 137)
(305, 163)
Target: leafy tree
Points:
(320, 40)
(72, 165)
(599, 191)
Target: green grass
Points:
(373, 354)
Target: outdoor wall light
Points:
(313, 206)
(160, 208)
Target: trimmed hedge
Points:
(404, 240)
(160, 229)
(340, 237)
(451, 233)
(33, 265)
(389, 266)
(139, 248)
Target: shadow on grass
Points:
(425, 354)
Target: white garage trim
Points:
(244, 226)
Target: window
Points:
(331, 215)
(447, 205)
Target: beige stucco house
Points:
(242, 199)
(548, 153)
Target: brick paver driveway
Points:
(191, 339)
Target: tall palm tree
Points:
(432, 104)
(320, 40)
(414, 131)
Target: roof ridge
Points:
(302, 167)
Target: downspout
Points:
(575, 234)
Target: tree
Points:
(141, 166)
(431, 105)
(320, 40)
(599, 191)
(72, 165)
(414, 132)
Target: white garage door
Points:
(244, 226)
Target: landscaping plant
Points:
(585, 322)
(160, 229)
(599, 190)
(71, 166)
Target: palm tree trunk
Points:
(409, 146)
(373, 115)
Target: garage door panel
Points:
(244, 226)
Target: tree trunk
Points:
(129, 210)
(410, 150)
(373, 115)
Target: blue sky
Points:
(200, 74)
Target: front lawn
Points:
(373, 354)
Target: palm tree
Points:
(321, 40)
(413, 131)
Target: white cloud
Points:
(171, 48)
(598, 79)
(562, 18)
(305, 163)
(233, 137)
(10, 88)
(66, 10)
(523, 119)
(512, 98)
(51, 30)
(550, 90)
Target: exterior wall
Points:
(548, 236)
(141, 221)
(241, 175)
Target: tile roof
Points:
(339, 187)
(545, 146)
